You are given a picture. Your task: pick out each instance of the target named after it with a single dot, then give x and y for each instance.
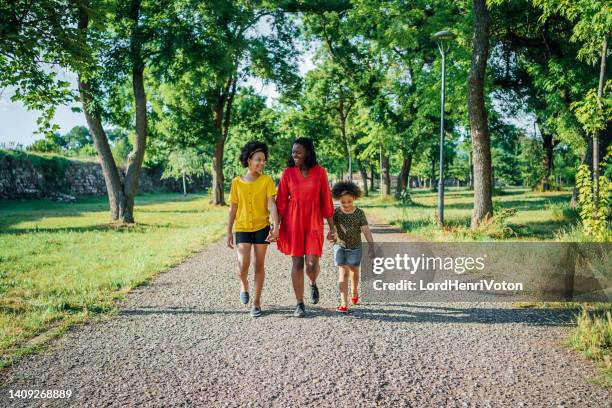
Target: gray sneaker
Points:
(256, 311)
(299, 310)
(244, 297)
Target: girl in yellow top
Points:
(252, 204)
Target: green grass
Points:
(539, 215)
(593, 338)
(64, 263)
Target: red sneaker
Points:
(343, 309)
(355, 300)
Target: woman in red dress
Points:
(303, 200)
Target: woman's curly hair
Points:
(249, 149)
(346, 187)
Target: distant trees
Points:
(170, 76)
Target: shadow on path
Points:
(395, 313)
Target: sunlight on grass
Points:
(539, 216)
(63, 262)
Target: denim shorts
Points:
(344, 256)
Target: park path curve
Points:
(185, 340)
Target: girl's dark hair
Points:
(249, 149)
(346, 187)
(311, 155)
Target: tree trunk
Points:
(112, 178)
(221, 123)
(471, 170)
(404, 176)
(343, 110)
(136, 156)
(483, 202)
(548, 144)
(347, 148)
(373, 176)
(596, 144)
(385, 175)
(364, 176)
(184, 185)
(217, 179)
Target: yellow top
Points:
(252, 200)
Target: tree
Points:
(217, 53)
(183, 164)
(329, 97)
(141, 30)
(35, 39)
(479, 130)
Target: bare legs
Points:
(354, 280)
(244, 260)
(313, 268)
(343, 276)
(260, 272)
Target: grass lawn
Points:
(539, 216)
(62, 263)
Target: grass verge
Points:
(521, 214)
(62, 264)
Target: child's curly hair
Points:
(346, 187)
(249, 149)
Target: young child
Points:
(252, 204)
(350, 222)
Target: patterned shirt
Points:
(349, 227)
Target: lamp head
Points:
(442, 36)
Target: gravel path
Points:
(185, 340)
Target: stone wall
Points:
(25, 175)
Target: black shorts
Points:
(255, 237)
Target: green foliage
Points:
(530, 153)
(595, 218)
(35, 36)
(183, 163)
(593, 114)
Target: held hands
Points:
(332, 236)
(272, 235)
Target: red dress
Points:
(303, 203)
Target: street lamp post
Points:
(442, 38)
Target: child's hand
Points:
(371, 251)
(230, 240)
(272, 235)
(331, 235)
